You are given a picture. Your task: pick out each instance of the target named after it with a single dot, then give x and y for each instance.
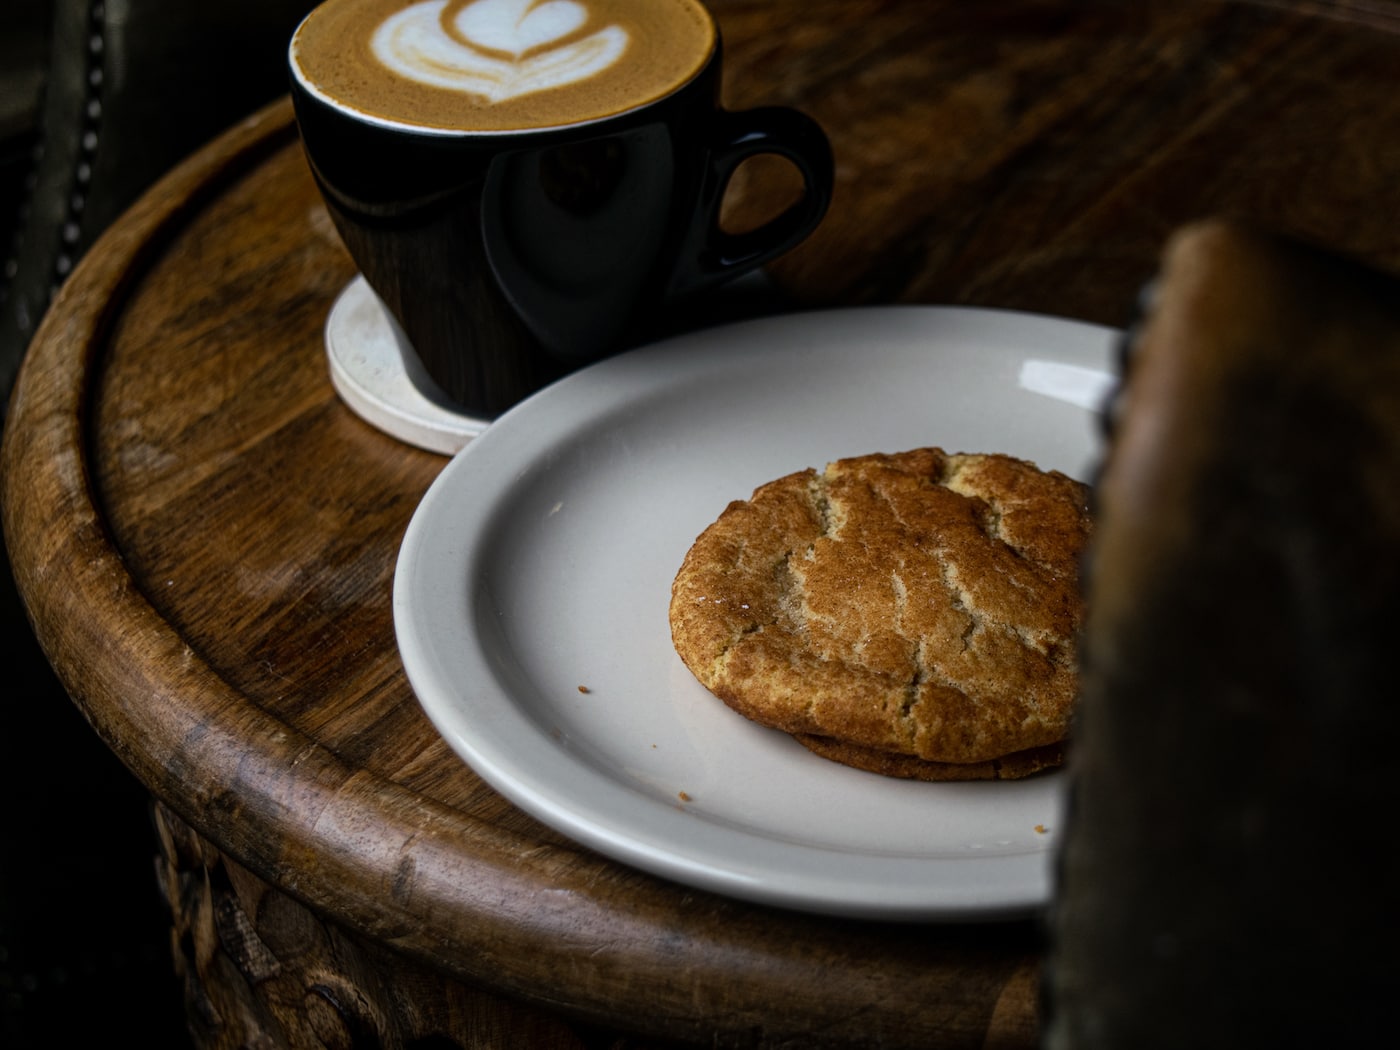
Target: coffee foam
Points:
(499, 65)
(498, 49)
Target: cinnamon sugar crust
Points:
(918, 604)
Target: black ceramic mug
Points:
(529, 185)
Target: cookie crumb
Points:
(683, 797)
(1040, 829)
(584, 689)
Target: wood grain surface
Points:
(205, 536)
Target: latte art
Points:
(499, 65)
(498, 49)
(513, 26)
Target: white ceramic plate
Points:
(531, 593)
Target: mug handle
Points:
(736, 136)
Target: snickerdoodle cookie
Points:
(913, 613)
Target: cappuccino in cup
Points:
(530, 185)
(500, 65)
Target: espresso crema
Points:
(499, 65)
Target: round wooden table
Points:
(205, 536)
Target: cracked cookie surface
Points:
(917, 604)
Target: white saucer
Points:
(532, 585)
(376, 373)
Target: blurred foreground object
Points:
(1227, 868)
